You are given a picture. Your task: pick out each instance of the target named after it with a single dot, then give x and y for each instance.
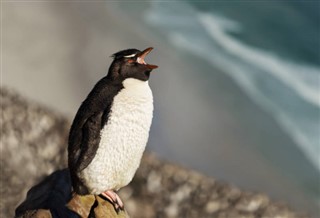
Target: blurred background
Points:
(237, 92)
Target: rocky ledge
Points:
(33, 145)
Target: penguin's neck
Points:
(136, 88)
(132, 83)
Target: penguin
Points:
(111, 128)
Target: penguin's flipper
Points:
(76, 140)
(90, 140)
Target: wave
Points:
(288, 91)
(302, 79)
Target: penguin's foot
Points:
(114, 198)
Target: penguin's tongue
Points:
(142, 56)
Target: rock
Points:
(213, 206)
(81, 205)
(33, 145)
(105, 209)
(252, 202)
(51, 194)
(52, 198)
(41, 213)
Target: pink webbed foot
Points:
(114, 199)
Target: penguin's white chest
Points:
(123, 139)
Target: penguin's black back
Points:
(84, 137)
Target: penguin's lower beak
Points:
(141, 57)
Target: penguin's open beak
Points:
(141, 57)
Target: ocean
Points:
(270, 49)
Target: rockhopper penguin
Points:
(111, 128)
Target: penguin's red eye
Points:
(130, 61)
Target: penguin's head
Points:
(130, 63)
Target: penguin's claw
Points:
(114, 199)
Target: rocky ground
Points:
(33, 145)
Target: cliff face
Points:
(33, 145)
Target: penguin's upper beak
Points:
(141, 57)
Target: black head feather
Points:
(127, 52)
(130, 63)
